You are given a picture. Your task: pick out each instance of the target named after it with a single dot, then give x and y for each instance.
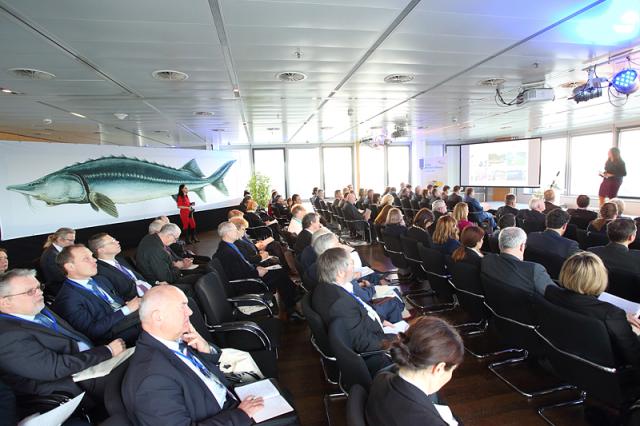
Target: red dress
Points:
(185, 214)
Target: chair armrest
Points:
(257, 281)
(371, 353)
(257, 298)
(246, 326)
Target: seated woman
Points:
(608, 212)
(421, 222)
(426, 356)
(386, 203)
(470, 242)
(445, 237)
(584, 278)
(460, 213)
(4, 261)
(249, 250)
(395, 223)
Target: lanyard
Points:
(233, 246)
(54, 322)
(99, 293)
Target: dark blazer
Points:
(159, 389)
(234, 266)
(395, 402)
(253, 219)
(448, 247)
(331, 302)
(472, 258)
(506, 209)
(308, 257)
(508, 269)
(535, 220)
(420, 235)
(474, 204)
(249, 251)
(452, 200)
(548, 206)
(154, 262)
(87, 312)
(123, 283)
(53, 276)
(583, 214)
(618, 257)
(551, 242)
(351, 212)
(395, 229)
(36, 360)
(625, 343)
(303, 240)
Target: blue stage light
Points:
(626, 81)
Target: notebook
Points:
(274, 403)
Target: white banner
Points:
(45, 186)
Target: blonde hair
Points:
(584, 273)
(394, 216)
(234, 213)
(446, 227)
(386, 200)
(461, 211)
(382, 215)
(239, 222)
(252, 205)
(62, 232)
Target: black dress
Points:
(610, 185)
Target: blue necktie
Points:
(115, 302)
(44, 320)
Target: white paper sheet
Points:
(383, 291)
(104, 368)
(624, 304)
(274, 403)
(446, 414)
(55, 417)
(273, 267)
(396, 328)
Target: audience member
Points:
(297, 213)
(619, 204)
(173, 377)
(91, 304)
(608, 212)
(532, 219)
(351, 212)
(279, 207)
(233, 213)
(454, 198)
(549, 200)
(426, 356)
(584, 277)
(460, 214)
(582, 213)
(246, 247)
(445, 193)
(419, 230)
(551, 240)
(510, 269)
(439, 210)
(445, 236)
(507, 220)
(477, 209)
(309, 255)
(471, 240)
(386, 203)
(509, 206)
(310, 224)
(53, 276)
(4, 260)
(616, 255)
(395, 223)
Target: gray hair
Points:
(534, 202)
(511, 238)
(439, 206)
(324, 242)
(155, 226)
(225, 228)
(7, 277)
(170, 229)
(319, 233)
(619, 203)
(331, 262)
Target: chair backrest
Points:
(551, 262)
(595, 239)
(393, 249)
(410, 249)
(580, 222)
(571, 232)
(353, 369)
(356, 404)
(113, 395)
(466, 279)
(212, 299)
(581, 236)
(434, 264)
(318, 331)
(415, 205)
(494, 245)
(573, 354)
(624, 284)
(530, 226)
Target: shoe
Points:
(296, 316)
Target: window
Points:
(398, 159)
(304, 171)
(239, 175)
(372, 168)
(270, 162)
(629, 144)
(588, 155)
(338, 166)
(553, 160)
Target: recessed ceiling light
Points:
(492, 82)
(204, 113)
(398, 78)
(77, 115)
(169, 75)
(6, 91)
(291, 76)
(32, 74)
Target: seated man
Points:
(509, 268)
(350, 210)
(454, 198)
(310, 224)
(616, 255)
(477, 209)
(297, 213)
(509, 206)
(173, 378)
(551, 240)
(582, 214)
(92, 305)
(40, 351)
(532, 219)
(182, 257)
(439, 210)
(549, 200)
(309, 256)
(154, 260)
(53, 276)
(237, 267)
(127, 282)
(249, 250)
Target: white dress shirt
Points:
(85, 284)
(32, 318)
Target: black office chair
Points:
(412, 256)
(434, 265)
(581, 236)
(592, 368)
(530, 226)
(393, 250)
(113, 397)
(407, 210)
(595, 239)
(240, 286)
(260, 232)
(624, 284)
(356, 404)
(579, 222)
(551, 262)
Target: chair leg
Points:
(493, 367)
(579, 401)
(327, 398)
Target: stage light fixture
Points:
(626, 81)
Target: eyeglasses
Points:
(32, 292)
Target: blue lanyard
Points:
(198, 364)
(233, 246)
(101, 294)
(43, 312)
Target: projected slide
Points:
(511, 164)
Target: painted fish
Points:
(107, 181)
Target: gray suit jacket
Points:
(510, 270)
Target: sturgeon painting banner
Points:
(45, 186)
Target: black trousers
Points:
(279, 280)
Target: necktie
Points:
(142, 288)
(124, 270)
(221, 392)
(46, 321)
(115, 304)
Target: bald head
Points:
(164, 312)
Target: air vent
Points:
(398, 78)
(169, 75)
(204, 113)
(291, 76)
(31, 74)
(492, 82)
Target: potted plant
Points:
(259, 188)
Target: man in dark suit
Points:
(551, 240)
(509, 267)
(40, 351)
(91, 304)
(581, 215)
(509, 206)
(310, 224)
(454, 198)
(532, 219)
(237, 267)
(616, 255)
(549, 200)
(173, 377)
(351, 212)
(477, 209)
(333, 299)
(124, 278)
(53, 276)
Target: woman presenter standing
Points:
(186, 215)
(614, 171)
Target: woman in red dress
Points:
(186, 215)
